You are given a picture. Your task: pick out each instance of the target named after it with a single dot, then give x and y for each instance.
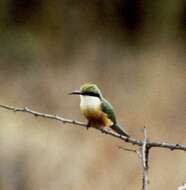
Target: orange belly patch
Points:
(97, 118)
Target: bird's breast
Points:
(91, 108)
(90, 104)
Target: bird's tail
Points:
(119, 130)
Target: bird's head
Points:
(88, 89)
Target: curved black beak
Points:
(76, 93)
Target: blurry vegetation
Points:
(69, 24)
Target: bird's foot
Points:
(88, 125)
(105, 130)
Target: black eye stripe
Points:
(91, 94)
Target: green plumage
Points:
(107, 108)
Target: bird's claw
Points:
(88, 125)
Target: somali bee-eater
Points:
(98, 111)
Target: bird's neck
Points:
(89, 102)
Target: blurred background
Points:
(134, 50)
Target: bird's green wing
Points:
(107, 108)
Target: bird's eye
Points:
(91, 94)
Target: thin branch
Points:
(44, 115)
(105, 131)
(127, 149)
(69, 121)
(144, 160)
(167, 145)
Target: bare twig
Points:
(144, 160)
(105, 131)
(69, 121)
(44, 115)
(167, 145)
(128, 149)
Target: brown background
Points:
(134, 50)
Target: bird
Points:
(96, 109)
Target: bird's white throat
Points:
(89, 102)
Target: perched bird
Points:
(97, 109)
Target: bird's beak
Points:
(75, 93)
